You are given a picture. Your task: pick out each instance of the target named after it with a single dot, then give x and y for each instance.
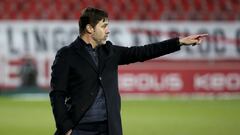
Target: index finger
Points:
(202, 35)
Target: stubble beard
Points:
(102, 42)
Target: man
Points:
(85, 97)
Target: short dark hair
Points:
(91, 16)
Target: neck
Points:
(88, 39)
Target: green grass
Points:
(144, 117)
(176, 117)
(21, 117)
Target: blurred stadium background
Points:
(194, 91)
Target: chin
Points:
(101, 42)
(104, 42)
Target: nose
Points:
(107, 31)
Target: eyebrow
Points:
(105, 24)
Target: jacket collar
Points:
(104, 53)
(79, 47)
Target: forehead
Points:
(103, 22)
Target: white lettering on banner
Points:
(147, 81)
(217, 81)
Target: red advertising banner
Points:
(28, 50)
(180, 77)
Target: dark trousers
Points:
(96, 128)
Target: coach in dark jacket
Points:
(85, 97)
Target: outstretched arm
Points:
(142, 53)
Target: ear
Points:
(89, 29)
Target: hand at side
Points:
(69, 132)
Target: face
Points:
(101, 32)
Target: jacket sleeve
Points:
(141, 53)
(58, 94)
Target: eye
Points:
(104, 26)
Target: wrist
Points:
(180, 42)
